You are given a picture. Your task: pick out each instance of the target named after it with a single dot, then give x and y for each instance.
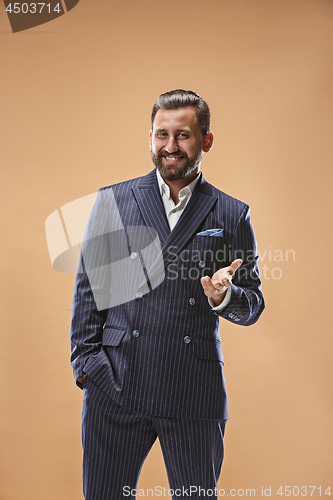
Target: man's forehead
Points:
(176, 118)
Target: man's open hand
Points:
(216, 287)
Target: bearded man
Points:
(165, 256)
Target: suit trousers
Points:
(116, 443)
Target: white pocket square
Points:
(211, 232)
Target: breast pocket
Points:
(210, 251)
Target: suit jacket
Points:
(157, 350)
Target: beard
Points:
(175, 172)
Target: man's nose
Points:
(172, 145)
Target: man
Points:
(164, 256)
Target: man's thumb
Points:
(234, 266)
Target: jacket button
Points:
(139, 295)
(135, 333)
(134, 255)
(192, 301)
(187, 339)
(202, 263)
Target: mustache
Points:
(176, 155)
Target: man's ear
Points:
(208, 143)
(150, 139)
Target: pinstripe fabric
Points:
(173, 367)
(154, 361)
(116, 443)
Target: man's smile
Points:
(172, 159)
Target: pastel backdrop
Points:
(76, 97)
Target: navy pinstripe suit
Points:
(159, 355)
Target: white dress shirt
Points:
(173, 212)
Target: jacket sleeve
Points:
(247, 301)
(90, 300)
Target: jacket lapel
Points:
(201, 203)
(148, 198)
(150, 203)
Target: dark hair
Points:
(180, 99)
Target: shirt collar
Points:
(164, 188)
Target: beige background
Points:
(76, 96)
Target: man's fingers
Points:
(217, 284)
(234, 266)
(227, 281)
(211, 288)
(207, 283)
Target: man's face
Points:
(176, 143)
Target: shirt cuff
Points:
(223, 304)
